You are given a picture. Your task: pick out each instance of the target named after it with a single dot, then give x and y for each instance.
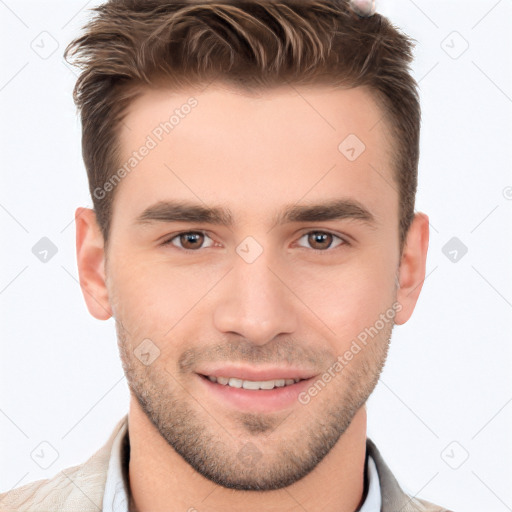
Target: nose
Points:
(254, 301)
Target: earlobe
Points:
(91, 263)
(412, 267)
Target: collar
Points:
(116, 496)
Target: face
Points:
(251, 243)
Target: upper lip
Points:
(256, 374)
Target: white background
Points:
(446, 391)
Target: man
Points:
(253, 167)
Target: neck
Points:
(162, 481)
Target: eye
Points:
(322, 240)
(189, 240)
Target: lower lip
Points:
(257, 400)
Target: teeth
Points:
(252, 384)
(235, 383)
(247, 384)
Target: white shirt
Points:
(115, 498)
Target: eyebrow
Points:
(183, 211)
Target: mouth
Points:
(256, 396)
(235, 382)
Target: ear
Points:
(412, 267)
(91, 263)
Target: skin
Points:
(363, 7)
(254, 154)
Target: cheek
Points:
(135, 292)
(154, 294)
(351, 299)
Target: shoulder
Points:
(78, 488)
(393, 497)
(41, 494)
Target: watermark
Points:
(44, 454)
(44, 45)
(147, 352)
(454, 249)
(455, 455)
(352, 147)
(152, 140)
(507, 193)
(249, 454)
(44, 250)
(454, 45)
(344, 359)
(249, 249)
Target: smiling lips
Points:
(237, 375)
(252, 384)
(255, 378)
(260, 390)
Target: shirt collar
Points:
(115, 498)
(373, 501)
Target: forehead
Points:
(257, 150)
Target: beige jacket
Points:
(80, 488)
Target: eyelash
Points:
(329, 249)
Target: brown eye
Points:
(189, 240)
(322, 240)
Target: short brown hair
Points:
(253, 44)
